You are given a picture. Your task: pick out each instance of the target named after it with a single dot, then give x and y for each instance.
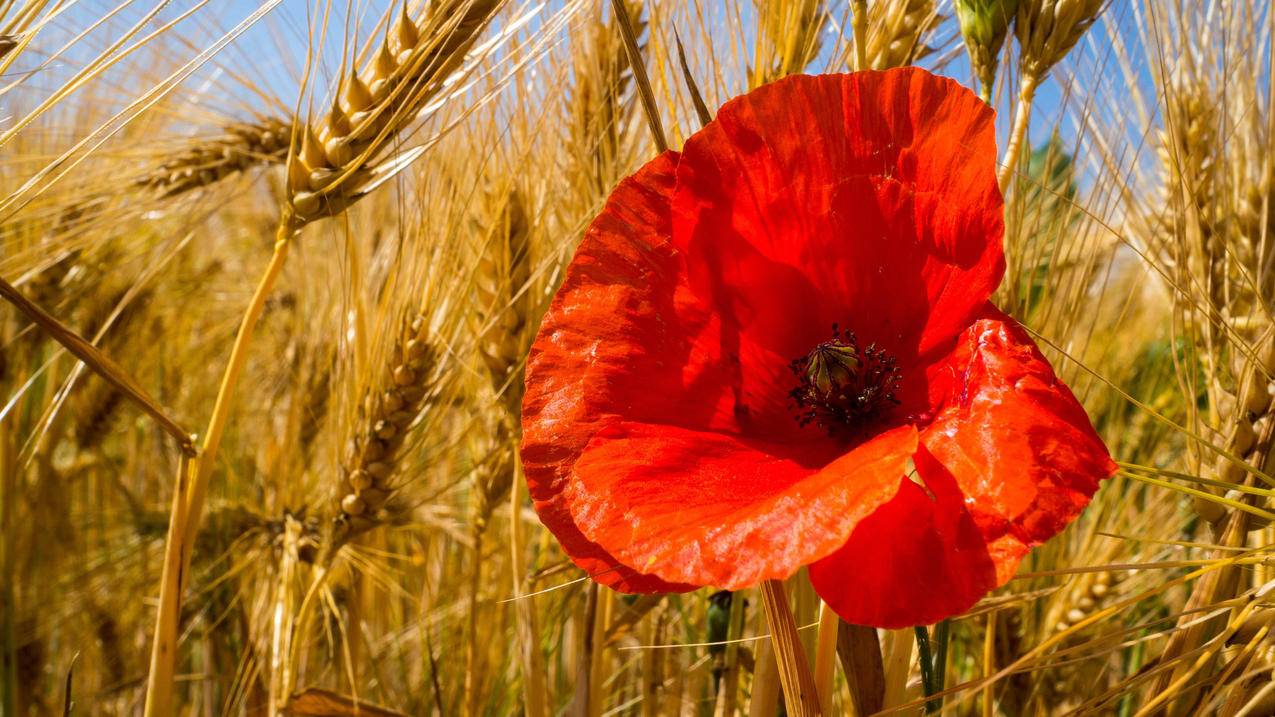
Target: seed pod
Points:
(984, 25)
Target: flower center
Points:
(841, 385)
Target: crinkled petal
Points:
(626, 340)
(712, 509)
(577, 372)
(1008, 460)
(918, 559)
(1019, 444)
(869, 200)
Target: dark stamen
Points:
(841, 385)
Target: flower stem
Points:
(933, 656)
(800, 694)
(927, 665)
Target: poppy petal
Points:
(868, 199)
(918, 559)
(712, 509)
(614, 277)
(1008, 461)
(1018, 443)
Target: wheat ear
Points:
(208, 160)
(984, 25)
(897, 30)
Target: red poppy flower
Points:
(776, 349)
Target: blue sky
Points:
(271, 54)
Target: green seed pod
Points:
(984, 25)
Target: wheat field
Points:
(272, 270)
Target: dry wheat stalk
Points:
(210, 159)
(897, 31)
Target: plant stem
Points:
(1018, 133)
(159, 685)
(859, 25)
(207, 459)
(927, 665)
(989, 665)
(189, 493)
(933, 662)
(897, 665)
(800, 694)
(826, 656)
(533, 669)
(764, 700)
(942, 635)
